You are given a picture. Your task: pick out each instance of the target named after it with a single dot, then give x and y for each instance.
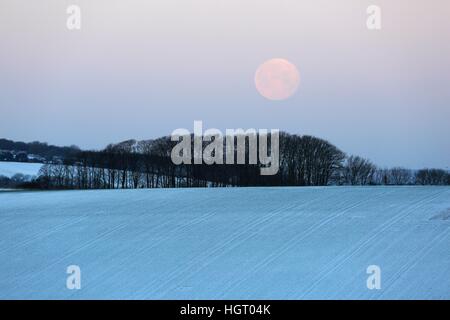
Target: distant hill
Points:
(34, 151)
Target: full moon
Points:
(277, 79)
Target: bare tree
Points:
(400, 176)
(359, 171)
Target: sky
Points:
(141, 69)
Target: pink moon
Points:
(277, 79)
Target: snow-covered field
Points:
(255, 243)
(9, 169)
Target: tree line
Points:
(304, 161)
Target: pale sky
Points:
(140, 69)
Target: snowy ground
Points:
(9, 169)
(255, 243)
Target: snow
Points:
(9, 169)
(233, 243)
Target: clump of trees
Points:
(308, 161)
(304, 161)
(357, 171)
(433, 177)
(16, 181)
